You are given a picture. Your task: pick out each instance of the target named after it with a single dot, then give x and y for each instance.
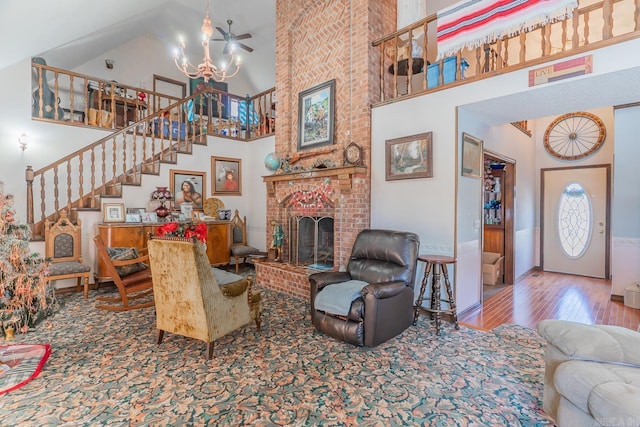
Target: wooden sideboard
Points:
(137, 235)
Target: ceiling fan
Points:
(229, 38)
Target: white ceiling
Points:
(71, 32)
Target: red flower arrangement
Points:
(186, 229)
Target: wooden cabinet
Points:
(219, 242)
(137, 235)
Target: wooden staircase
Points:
(149, 129)
(81, 180)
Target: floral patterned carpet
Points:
(106, 369)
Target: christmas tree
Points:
(25, 297)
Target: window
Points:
(574, 220)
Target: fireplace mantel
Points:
(344, 175)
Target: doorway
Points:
(574, 220)
(498, 218)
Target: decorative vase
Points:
(162, 211)
(161, 193)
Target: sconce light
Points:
(23, 140)
(109, 63)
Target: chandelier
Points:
(207, 70)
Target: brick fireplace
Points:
(317, 42)
(340, 193)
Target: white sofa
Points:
(592, 374)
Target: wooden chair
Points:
(239, 247)
(189, 300)
(133, 286)
(63, 248)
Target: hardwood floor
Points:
(543, 295)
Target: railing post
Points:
(607, 15)
(249, 115)
(29, 178)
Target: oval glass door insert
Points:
(574, 220)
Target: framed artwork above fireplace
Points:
(316, 116)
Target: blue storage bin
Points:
(449, 66)
(433, 75)
(178, 130)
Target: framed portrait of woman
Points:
(187, 186)
(226, 176)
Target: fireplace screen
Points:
(311, 241)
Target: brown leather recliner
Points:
(386, 261)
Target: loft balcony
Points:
(412, 50)
(64, 97)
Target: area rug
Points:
(107, 369)
(20, 363)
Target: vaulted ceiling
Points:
(71, 32)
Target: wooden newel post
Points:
(29, 177)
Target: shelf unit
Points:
(493, 206)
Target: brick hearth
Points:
(284, 277)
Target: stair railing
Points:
(82, 179)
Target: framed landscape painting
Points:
(471, 156)
(316, 116)
(409, 157)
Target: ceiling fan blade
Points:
(243, 36)
(218, 40)
(245, 47)
(224, 33)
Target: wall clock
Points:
(574, 136)
(353, 154)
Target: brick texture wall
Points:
(317, 41)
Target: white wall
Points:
(625, 211)
(428, 206)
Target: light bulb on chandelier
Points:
(207, 70)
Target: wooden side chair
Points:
(240, 249)
(129, 273)
(189, 299)
(63, 249)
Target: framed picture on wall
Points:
(219, 103)
(187, 187)
(409, 157)
(316, 116)
(471, 156)
(226, 176)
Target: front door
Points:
(574, 221)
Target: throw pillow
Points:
(125, 254)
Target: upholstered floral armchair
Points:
(188, 298)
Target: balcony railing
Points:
(65, 97)
(412, 50)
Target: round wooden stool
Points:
(436, 265)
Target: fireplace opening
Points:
(311, 241)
